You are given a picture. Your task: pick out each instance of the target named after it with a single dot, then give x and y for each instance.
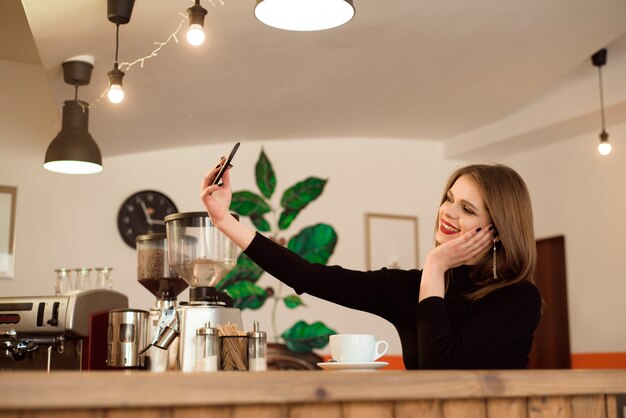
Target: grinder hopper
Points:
(201, 254)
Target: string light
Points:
(124, 67)
(128, 65)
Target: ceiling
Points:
(411, 69)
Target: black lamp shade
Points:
(73, 150)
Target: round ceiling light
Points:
(304, 15)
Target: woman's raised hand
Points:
(216, 198)
(469, 248)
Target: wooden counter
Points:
(315, 394)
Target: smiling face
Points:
(463, 210)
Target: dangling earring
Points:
(495, 273)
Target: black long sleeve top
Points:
(494, 332)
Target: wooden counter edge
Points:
(38, 390)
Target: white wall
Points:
(70, 221)
(580, 194)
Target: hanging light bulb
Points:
(598, 60)
(116, 93)
(195, 34)
(118, 12)
(604, 147)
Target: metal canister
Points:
(127, 336)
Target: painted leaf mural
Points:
(286, 218)
(246, 203)
(260, 223)
(245, 270)
(302, 337)
(293, 301)
(315, 243)
(247, 295)
(298, 196)
(265, 177)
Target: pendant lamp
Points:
(599, 60)
(118, 12)
(304, 15)
(73, 150)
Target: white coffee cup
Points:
(356, 348)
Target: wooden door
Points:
(551, 348)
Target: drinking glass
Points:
(83, 279)
(103, 278)
(62, 283)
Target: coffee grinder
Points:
(155, 274)
(202, 255)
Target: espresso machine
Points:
(202, 255)
(155, 274)
(64, 332)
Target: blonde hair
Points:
(507, 200)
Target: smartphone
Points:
(228, 160)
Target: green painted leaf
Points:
(286, 217)
(293, 301)
(302, 337)
(265, 177)
(247, 295)
(301, 194)
(244, 270)
(246, 203)
(314, 243)
(260, 223)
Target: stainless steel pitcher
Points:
(127, 336)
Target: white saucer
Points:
(370, 365)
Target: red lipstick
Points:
(447, 231)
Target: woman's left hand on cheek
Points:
(467, 248)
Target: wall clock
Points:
(143, 213)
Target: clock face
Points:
(143, 213)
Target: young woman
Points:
(474, 304)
